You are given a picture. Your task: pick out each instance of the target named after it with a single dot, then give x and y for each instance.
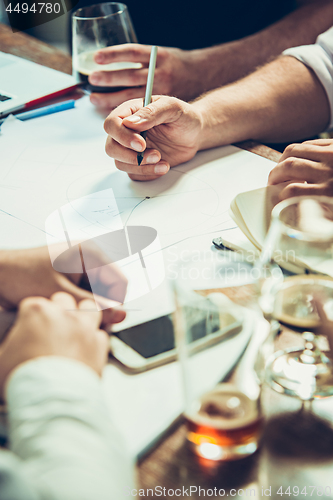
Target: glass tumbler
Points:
(223, 419)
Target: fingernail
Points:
(135, 119)
(94, 79)
(99, 58)
(136, 145)
(94, 100)
(161, 169)
(153, 158)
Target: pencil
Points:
(45, 110)
(149, 90)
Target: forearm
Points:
(229, 62)
(18, 276)
(283, 101)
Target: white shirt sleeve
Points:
(60, 430)
(319, 57)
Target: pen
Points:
(46, 110)
(149, 90)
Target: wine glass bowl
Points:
(295, 301)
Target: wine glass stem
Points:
(306, 405)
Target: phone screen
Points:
(151, 338)
(157, 336)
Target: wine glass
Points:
(300, 239)
(96, 27)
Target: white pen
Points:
(149, 90)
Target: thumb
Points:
(112, 313)
(78, 293)
(162, 109)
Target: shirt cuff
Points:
(319, 57)
(51, 377)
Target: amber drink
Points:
(96, 27)
(224, 424)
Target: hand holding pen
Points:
(174, 134)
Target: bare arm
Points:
(282, 101)
(29, 272)
(229, 62)
(187, 74)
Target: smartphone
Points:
(152, 344)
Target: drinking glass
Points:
(97, 27)
(223, 419)
(300, 239)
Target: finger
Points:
(38, 307)
(107, 280)
(111, 316)
(156, 170)
(70, 288)
(132, 52)
(305, 150)
(112, 100)
(110, 313)
(112, 310)
(33, 304)
(119, 78)
(110, 274)
(103, 341)
(320, 142)
(296, 189)
(296, 169)
(162, 109)
(104, 304)
(80, 295)
(94, 315)
(142, 178)
(118, 133)
(126, 155)
(64, 300)
(117, 291)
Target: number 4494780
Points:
(307, 491)
(47, 8)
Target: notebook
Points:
(252, 213)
